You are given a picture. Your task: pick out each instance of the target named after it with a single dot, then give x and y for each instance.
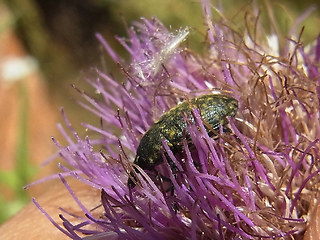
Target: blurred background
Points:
(46, 45)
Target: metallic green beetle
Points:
(214, 109)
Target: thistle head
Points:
(257, 180)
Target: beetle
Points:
(214, 109)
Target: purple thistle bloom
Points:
(256, 182)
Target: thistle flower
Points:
(258, 180)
